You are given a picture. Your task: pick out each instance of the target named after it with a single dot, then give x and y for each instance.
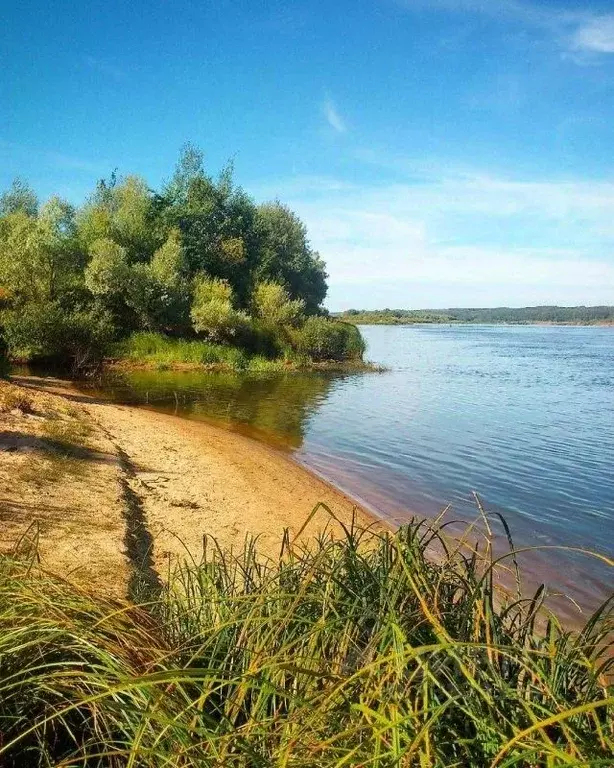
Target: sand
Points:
(164, 480)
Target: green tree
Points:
(217, 221)
(108, 271)
(20, 197)
(121, 211)
(169, 269)
(38, 257)
(286, 256)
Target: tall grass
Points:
(363, 650)
(145, 346)
(156, 349)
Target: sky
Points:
(441, 152)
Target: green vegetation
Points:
(198, 260)
(523, 316)
(339, 347)
(358, 651)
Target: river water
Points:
(522, 415)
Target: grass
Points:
(356, 651)
(155, 350)
(65, 451)
(158, 349)
(56, 439)
(15, 399)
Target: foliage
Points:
(156, 348)
(359, 650)
(287, 257)
(324, 339)
(19, 198)
(107, 271)
(46, 331)
(213, 313)
(271, 303)
(159, 352)
(196, 257)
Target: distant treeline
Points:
(197, 259)
(522, 315)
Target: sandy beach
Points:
(98, 485)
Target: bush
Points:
(271, 303)
(322, 339)
(47, 331)
(213, 313)
(15, 399)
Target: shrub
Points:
(323, 339)
(15, 399)
(271, 303)
(213, 313)
(47, 331)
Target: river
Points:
(522, 415)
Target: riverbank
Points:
(253, 365)
(358, 648)
(100, 486)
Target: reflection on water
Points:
(523, 415)
(273, 408)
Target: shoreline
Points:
(184, 479)
(120, 365)
(538, 323)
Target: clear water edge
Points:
(524, 415)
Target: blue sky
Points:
(441, 152)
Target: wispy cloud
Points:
(464, 233)
(596, 35)
(52, 158)
(333, 117)
(575, 31)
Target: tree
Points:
(169, 269)
(20, 197)
(198, 257)
(107, 272)
(286, 256)
(38, 257)
(121, 211)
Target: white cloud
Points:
(460, 237)
(576, 31)
(596, 36)
(333, 117)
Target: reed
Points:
(366, 649)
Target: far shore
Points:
(141, 484)
(547, 323)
